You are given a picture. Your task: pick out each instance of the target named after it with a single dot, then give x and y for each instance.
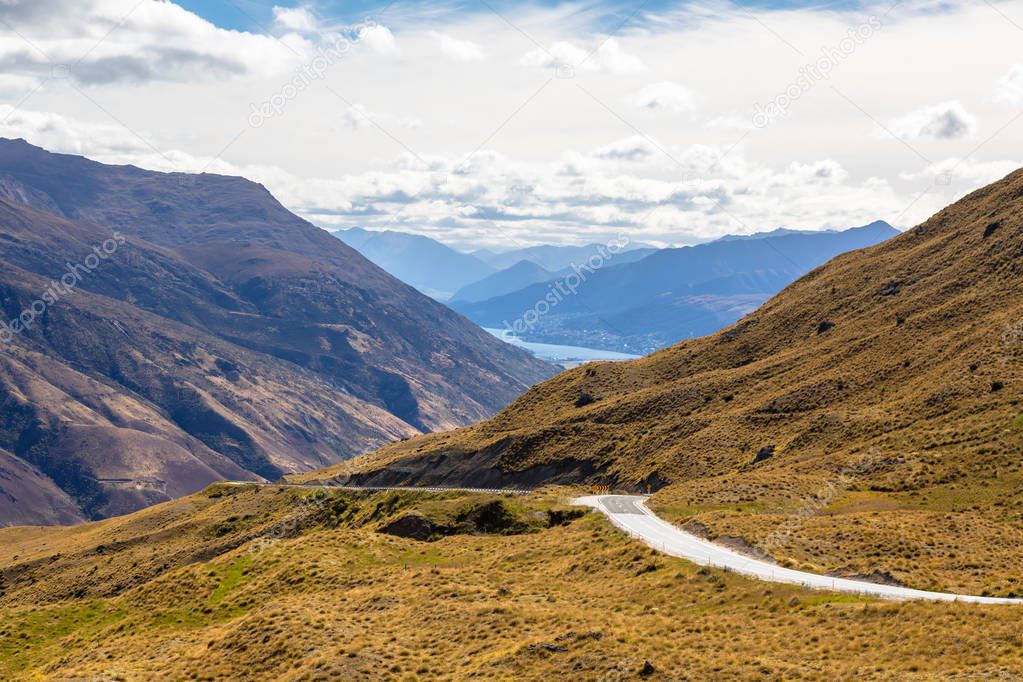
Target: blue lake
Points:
(569, 356)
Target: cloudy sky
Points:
(506, 123)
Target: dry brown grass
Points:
(177, 592)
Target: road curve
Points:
(629, 514)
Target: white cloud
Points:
(357, 117)
(666, 97)
(59, 133)
(298, 19)
(945, 121)
(379, 38)
(627, 186)
(553, 164)
(566, 57)
(459, 50)
(122, 41)
(14, 85)
(826, 172)
(730, 121)
(630, 149)
(622, 187)
(560, 56)
(963, 172)
(613, 59)
(1010, 87)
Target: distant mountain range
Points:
(667, 295)
(206, 333)
(444, 273)
(434, 268)
(779, 232)
(556, 257)
(639, 300)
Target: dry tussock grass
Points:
(335, 599)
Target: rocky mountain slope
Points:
(206, 333)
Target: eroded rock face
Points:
(487, 517)
(491, 517)
(763, 454)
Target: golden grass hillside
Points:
(246, 583)
(878, 396)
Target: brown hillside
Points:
(224, 338)
(28, 495)
(884, 386)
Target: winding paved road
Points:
(628, 513)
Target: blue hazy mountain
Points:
(428, 265)
(518, 276)
(669, 295)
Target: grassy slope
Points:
(888, 382)
(273, 585)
